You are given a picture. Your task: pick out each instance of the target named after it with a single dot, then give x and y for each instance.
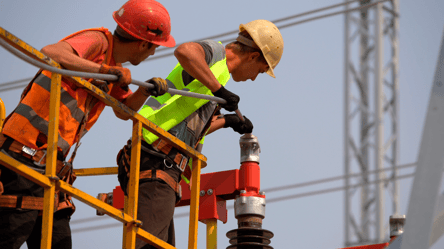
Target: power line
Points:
(292, 186)
(236, 31)
(298, 185)
(269, 200)
(14, 87)
(335, 178)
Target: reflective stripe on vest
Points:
(30, 118)
(168, 111)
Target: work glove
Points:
(231, 98)
(123, 74)
(233, 121)
(160, 87)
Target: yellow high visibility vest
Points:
(169, 110)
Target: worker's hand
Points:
(231, 98)
(160, 87)
(233, 121)
(123, 74)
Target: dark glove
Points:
(233, 121)
(123, 74)
(160, 87)
(231, 98)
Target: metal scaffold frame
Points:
(51, 182)
(371, 104)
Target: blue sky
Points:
(298, 116)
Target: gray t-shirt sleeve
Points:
(214, 52)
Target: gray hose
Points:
(107, 77)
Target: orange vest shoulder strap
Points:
(109, 37)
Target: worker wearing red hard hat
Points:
(142, 26)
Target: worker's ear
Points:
(144, 45)
(254, 56)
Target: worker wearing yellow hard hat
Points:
(204, 67)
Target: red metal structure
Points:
(242, 185)
(377, 246)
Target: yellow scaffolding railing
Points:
(50, 181)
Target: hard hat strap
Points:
(125, 34)
(242, 39)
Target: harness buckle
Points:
(157, 145)
(29, 151)
(61, 174)
(39, 163)
(182, 165)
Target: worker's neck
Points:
(121, 51)
(234, 59)
(231, 59)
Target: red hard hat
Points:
(146, 20)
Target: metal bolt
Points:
(243, 191)
(210, 191)
(202, 192)
(262, 192)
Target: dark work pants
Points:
(20, 226)
(156, 209)
(157, 199)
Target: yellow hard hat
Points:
(269, 40)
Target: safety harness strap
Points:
(163, 146)
(38, 156)
(23, 202)
(160, 174)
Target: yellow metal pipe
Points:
(29, 50)
(24, 170)
(96, 171)
(153, 240)
(125, 210)
(194, 205)
(26, 48)
(2, 114)
(51, 160)
(94, 202)
(211, 233)
(133, 184)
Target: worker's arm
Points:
(134, 101)
(75, 53)
(191, 57)
(216, 124)
(138, 98)
(66, 56)
(233, 121)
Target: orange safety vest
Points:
(29, 121)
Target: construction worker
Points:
(204, 67)
(142, 26)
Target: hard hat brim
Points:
(170, 42)
(271, 72)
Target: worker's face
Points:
(144, 51)
(249, 67)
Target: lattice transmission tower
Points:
(371, 133)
